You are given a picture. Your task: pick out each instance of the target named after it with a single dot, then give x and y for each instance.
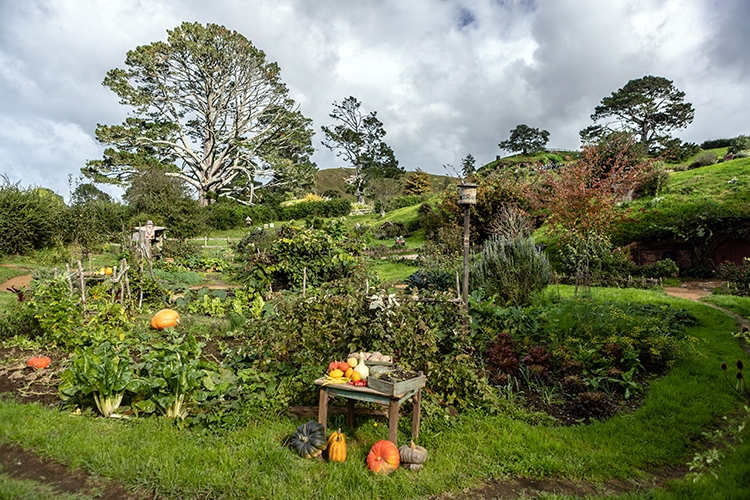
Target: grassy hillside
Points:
(700, 200)
(543, 157)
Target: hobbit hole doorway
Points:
(732, 250)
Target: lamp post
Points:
(467, 196)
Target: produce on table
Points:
(352, 361)
(413, 457)
(337, 447)
(383, 457)
(166, 318)
(336, 373)
(309, 440)
(372, 357)
(38, 362)
(362, 368)
(378, 369)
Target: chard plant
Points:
(171, 374)
(103, 373)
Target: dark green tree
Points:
(207, 108)
(358, 139)
(165, 200)
(418, 182)
(649, 107)
(468, 166)
(526, 140)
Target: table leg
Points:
(393, 421)
(415, 416)
(323, 407)
(350, 412)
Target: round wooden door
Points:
(732, 251)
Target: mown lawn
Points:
(253, 462)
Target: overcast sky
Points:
(446, 77)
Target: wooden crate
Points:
(397, 388)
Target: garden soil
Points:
(40, 386)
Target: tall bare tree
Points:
(209, 109)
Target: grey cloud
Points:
(447, 77)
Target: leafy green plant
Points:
(168, 376)
(511, 270)
(424, 279)
(103, 373)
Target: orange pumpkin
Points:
(166, 318)
(383, 457)
(38, 362)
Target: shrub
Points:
(739, 144)
(336, 207)
(438, 280)
(307, 332)
(737, 277)
(665, 268)
(705, 159)
(180, 249)
(30, 219)
(652, 181)
(511, 269)
(716, 143)
(326, 254)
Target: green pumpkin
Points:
(309, 440)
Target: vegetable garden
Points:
(595, 391)
(548, 383)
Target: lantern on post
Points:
(467, 196)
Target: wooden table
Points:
(354, 393)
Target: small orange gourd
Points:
(166, 318)
(38, 362)
(337, 447)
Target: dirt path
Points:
(17, 282)
(692, 290)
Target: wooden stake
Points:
(304, 280)
(82, 281)
(67, 276)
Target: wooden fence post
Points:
(82, 281)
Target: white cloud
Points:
(447, 77)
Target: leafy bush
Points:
(705, 159)
(652, 181)
(716, 143)
(307, 332)
(336, 207)
(30, 219)
(425, 279)
(405, 201)
(674, 150)
(665, 268)
(737, 277)
(323, 254)
(180, 249)
(232, 215)
(739, 144)
(511, 270)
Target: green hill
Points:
(695, 202)
(332, 180)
